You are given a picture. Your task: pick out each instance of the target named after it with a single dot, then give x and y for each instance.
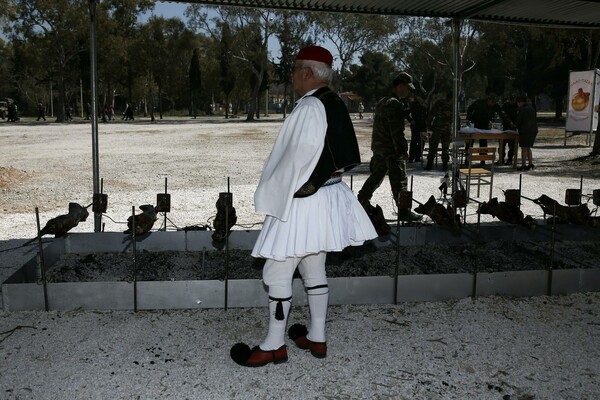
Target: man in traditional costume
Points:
(309, 210)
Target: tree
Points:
(59, 30)
(226, 79)
(293, 35)
(352, 34)
(425, 48)
(117, 31)
(195, 81)
(372, 79)
(251, 29)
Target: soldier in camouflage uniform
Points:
(439, 122)
(389, 146)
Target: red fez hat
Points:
(315, 53)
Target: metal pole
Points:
(81, 96)
(397, 269)
(520, 188)
(134, 253)
(42, 264)
(456, 22)
(227, 249)
(165, 198)
(94, 109)
(267, 104)
(51, 101)
(551, 266)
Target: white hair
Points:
(321, 71)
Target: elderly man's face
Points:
(299, 76)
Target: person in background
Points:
(68, 113)
(128, 113)
(12, 112)
(481, 113)
(389, 146)
(440, 124)
(361, 109)
(41, 111)
(509, 108)
(527, 128)
(417, 116)
(309, 210)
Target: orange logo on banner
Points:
(581, 100)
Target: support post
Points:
(42, 263)
(456, 22)
(94, 109)
(134, 258)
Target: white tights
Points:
(278, 275)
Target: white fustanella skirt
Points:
(329, 220)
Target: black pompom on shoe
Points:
(240, 353)
(298, 334)
(297, 331)
(243, 355)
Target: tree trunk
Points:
(558, 107)
(160, 107)
(284, 104)
(62, 96)
(255, 92)
(251, 109)
(193, 107)
(151, 97)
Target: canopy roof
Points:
(567, 13)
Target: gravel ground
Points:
(483, 348)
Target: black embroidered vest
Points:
(340, 152)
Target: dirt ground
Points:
(477, 348)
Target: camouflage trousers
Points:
(434, 141)
(379, 166)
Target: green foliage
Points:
(372, 78)
(223, 54)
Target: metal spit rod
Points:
(134, 254)
(42, 263)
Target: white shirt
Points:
(293, 158)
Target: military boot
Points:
(406, 215)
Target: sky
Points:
(170, 10)
(176, 10)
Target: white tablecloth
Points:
(468, 129)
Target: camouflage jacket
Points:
(440, 117)
(388, 128)
(417, 116)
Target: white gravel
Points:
(484, 348)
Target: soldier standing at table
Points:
(417, 117)
(481, 113)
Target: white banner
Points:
(584, 93)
